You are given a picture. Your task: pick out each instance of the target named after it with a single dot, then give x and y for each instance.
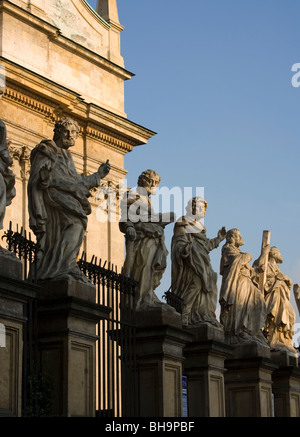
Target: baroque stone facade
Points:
(61, 59)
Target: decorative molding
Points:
(53, 113)
(30, 101)
(22, 155)
(112, 141)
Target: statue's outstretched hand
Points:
(222, 233)
(104, 169)
(131, 233)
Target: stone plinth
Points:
(160, 342)
(204, 368)
(10, 265)
(248, 382)
(286, 384)
(67, 318)
(14, 295)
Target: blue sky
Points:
(213, 78)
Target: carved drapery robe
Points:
(243, 309)
(148, 251)
(281, 316)
(58, 211)
(193, 278)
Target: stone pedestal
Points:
(10, 265)
(286, 384)
(248, 382)
(204, 369)
(160, 341)
(14, 294)
(67, 318)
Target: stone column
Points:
(286, 384)
(14, 294)
(248, 382)
(204, 369)
(67, 318)
(160, 342)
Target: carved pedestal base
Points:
(14, 296)
(286, 384)
(67, 320)
(248, 382)
(204, 369)
(160, 343)
(10, 265)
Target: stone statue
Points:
(193, 278)
(281, 316)
(7, 178)
(243, 308)
(146, 252)
(296, 290)
(58, 203)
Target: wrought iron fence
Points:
(117, 393)
(22, 245)
(174, 301)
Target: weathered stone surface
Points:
(285, 358)
(251, 350)
(204, 368)
(248, 387)
(160, 340)
(146, 252)
(281, 317)
(14, 295)
(68, 288)
(193, 278)
(206, 331)
(10, 265)
(159, 316)
(58, 203)
(67, 318)
(243, 308)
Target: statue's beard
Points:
(67, 143)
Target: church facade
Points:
(63, 59)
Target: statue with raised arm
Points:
(281, 316)
(58, 203)
(146, 252)
(193, 278)
(243, 308)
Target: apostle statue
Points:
(281, 316)
(58, 203)
(193, 278)
(7, 178)
(243, 308)
(146, 252)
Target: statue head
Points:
(65, 133)
(275, 254)
(196, 208)
(234, 237)
(149, 180)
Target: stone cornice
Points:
(54, 34)
(53, 101)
